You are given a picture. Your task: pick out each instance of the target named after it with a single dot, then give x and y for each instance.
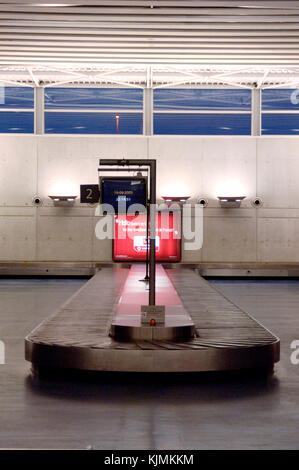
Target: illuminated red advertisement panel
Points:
(129, 242)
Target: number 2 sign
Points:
(89, 193)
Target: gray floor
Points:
(121, 412)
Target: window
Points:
(202, 111)
(93, 110)
(202, 124)
(16, 110)
(280, 112)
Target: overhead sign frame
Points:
(123, 187)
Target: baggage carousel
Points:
(98, 328)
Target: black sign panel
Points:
(89, 193)
(123, 192)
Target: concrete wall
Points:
(267, 167)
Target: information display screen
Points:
(129, 243)
(122, 192)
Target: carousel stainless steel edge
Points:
(77, 336)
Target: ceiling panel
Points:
(76, 34)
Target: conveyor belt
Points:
(76, 336)
(127, 325)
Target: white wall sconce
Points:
(230, 202)
(180, 200)
(66, 201)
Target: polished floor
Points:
(128, 412)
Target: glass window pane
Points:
(284, 99)
(280, 124)
(17, 97)
(16, 122)
(202, 124)
(93, 98)
(196, 99)
(93, 123)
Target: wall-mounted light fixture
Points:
(175, 199)
(230, 202)
(63, 200)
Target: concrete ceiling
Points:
(196, 36)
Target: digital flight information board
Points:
(122, 192)
(129, 242)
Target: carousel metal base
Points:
(78, 335)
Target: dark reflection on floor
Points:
(139, 411)
(206, 387)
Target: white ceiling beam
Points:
(93, 61)
(230, 73)
(137, 19)
(120, 82)
(149, 76)
(288, 84)
(12, 82)
(185, 73)
(120, 48)
(122, 43)
(241, 83)
(139, 28)
(261, 80)
(236, 84)
(110, 72)
(157, 42)
(166, 3)
(112, 32)
(191, 79)
(146, 9)
(34, 79)
(163, 75)
(172, 83)
(72, 73)
(63, 82)
(190, 71)
(142, 55)
(159, 28)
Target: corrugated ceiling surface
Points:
(150, 32)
